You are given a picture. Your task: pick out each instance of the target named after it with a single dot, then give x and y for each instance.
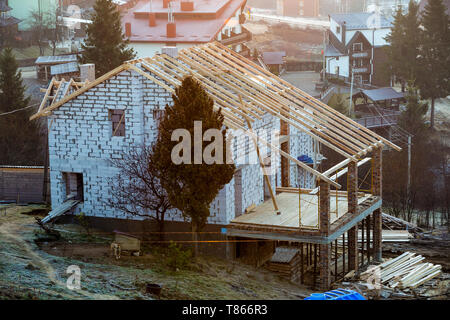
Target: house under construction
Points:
(334, 230)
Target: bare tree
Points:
(38, 29)
(137, 189)
(46, 27)
(55, 26)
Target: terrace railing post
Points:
(352, 189)
(377, 191)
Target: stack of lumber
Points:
(286, 261)
(405, 271)
(386, 236)
(394, 223)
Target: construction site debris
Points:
(394, 223)
(405, 271)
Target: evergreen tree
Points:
(105, 45)
(412, 119)
(434, 80)
(404, 40)
(20, 140)
(192, 187)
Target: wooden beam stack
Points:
(405, 271)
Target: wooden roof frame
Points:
(234, 83)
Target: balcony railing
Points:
(357, 70)
(379, 121)
(360, 54)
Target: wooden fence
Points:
(22, 184)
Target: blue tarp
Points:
(305, 159)
(339, 294)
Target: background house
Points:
(8, 22)
(355, 45)
(150, 26)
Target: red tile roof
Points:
(198, 26)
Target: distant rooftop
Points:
(64, 68)
(56, 59)
(198, 26)
(382, 94)
(362, 20)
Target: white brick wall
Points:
(80, 140)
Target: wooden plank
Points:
(288, 156)
(340, 173)
(47, 93)
(261, 162)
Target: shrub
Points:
(178, 257)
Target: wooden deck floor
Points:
(288, 203)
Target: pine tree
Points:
(20, 139)
(105, 45)
(404, 40)
(191, 187)
(412, 119)
(434, 80)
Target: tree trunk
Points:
(432, 113)
(161, 230)
(195, 238)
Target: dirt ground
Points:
(37, 270)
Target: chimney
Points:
(128, 29)
(152, 19)
(171, 26)
(187, 5)
(166, 3)
(87, 72)
(171, 30)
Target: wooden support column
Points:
(377, 191)
(324, 249)
(285, 168)
(352, 189)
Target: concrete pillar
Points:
(285, 168)
(324, 225)
(377, 191)
(352, 189)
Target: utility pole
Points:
(408, 186)
(351, 95)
